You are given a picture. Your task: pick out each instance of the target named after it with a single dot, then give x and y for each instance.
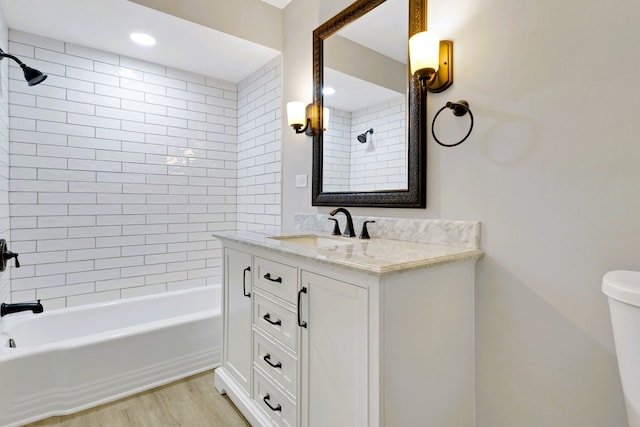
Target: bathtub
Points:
(71, 359)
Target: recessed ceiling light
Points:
(143, 39)
(328, 91)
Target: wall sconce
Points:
(300, 118)
(31, 75)
(431, 60)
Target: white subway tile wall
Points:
(336, 149)
(259, 136)
(380, 163)
(121, 169)
(5, 276)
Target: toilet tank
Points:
(623, 290)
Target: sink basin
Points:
(314, 240)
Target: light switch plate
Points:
(301, 181)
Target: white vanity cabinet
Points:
(260, 366)
(333, 353)
(237, 324)
(327, 345)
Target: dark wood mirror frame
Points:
(416, 195)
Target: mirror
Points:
(372, 152)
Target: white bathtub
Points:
(71, 359)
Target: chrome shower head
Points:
(363, 136)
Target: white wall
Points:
(120, 171)
(300, 18)
(5, 276)
(551, 172)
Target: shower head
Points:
(31, 75)
(363, 136)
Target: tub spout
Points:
(35, 307)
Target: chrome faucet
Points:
(348, 231)
(35, 307)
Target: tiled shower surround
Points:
(121, 169)
(380, 163)
(5, 276)
(259, 135)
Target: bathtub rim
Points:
(140, 377)
(7, 353)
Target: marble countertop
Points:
(378, 256)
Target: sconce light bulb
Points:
(325, 118)
(424, 53)
(296, 113)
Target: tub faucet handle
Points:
(6, 255)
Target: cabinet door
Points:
(237, 320)
(334, 352)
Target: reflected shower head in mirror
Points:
(363, 136)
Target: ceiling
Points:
(106, 25)
(385, 29)
(353, 94)
(278, 3)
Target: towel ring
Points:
(459, 108)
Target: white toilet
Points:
(623, 290)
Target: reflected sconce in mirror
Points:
(300, 118)
(431, 60)
(31, 75)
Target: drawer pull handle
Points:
(269, 278)
(267, 317)
(300, 322)
(244, 282)
(266, 402)
(267, 358)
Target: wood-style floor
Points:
(191, 402)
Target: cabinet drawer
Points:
(276, 362)
(273, 402)
(276, 320)
(276, 278)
